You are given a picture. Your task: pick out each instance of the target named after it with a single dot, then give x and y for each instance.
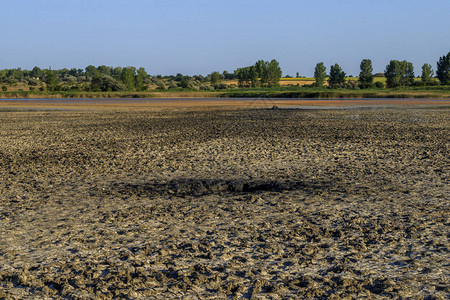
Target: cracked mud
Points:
(225, 203)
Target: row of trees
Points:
(397, 73)
(262, 73)
(101, 78)
(106, 78)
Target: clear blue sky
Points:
(200, 36)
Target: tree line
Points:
(106, 78)
(397, 74)
(261, 74)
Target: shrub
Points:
(351, 84)
(161, 85)
(379, 85)
(4, 88)
(106, 83)
(366, 85)
(33, 82)
(173, 84)
(220, 86)
(206, 88)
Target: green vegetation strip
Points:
(278, 92)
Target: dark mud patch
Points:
(202, 187)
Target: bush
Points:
(379, 85)
(4, 88)
(206, 88)
(33, 82)
(366, 85)
(70, 78)
(173, 84)
(220, 86)
(351, 84)
(106, 83)
(161, 85)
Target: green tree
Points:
(337, 76)
(243, 75)
(393, 74)
(16, 74)
(366, 76)
(319, 74)
(105, 70)
(127, 78)
(36, 72)
(215, 78)
(443, 69)
(229, 76)
(73, 72)
(140, 80)
(399, 73)
(408, 79)
(273, 73)
(3, 74)
(254, 74)
(186, 83)
(427, 74)
(117, 72)
(91, 71)
(260, 70)
(51, 80)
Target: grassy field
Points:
(296, 92)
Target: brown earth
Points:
(160, 202)
(212, 103)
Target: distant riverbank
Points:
(279, 92)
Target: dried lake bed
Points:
(226, 199)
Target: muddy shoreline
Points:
(220, 202)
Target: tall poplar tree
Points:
(443, 69)
(319, 74)
(366, 76)
(427, 74)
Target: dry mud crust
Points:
(251, 203)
